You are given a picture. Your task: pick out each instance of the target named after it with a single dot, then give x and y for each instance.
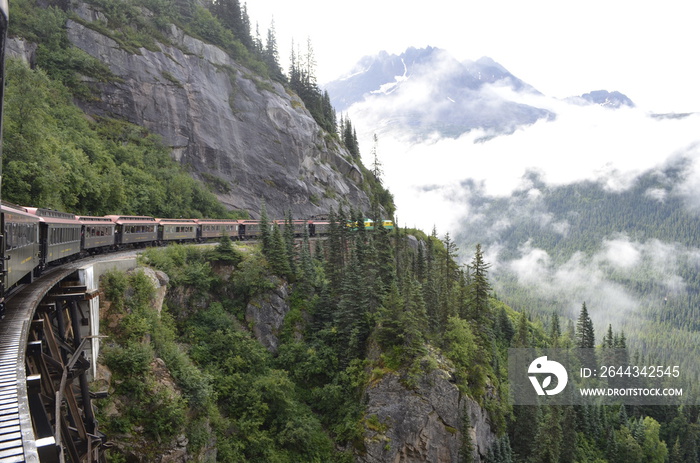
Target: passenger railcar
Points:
(319, 228)
(97, 234)
(134, 230)
(59, 234)
(298, 225)
(21, 244)
(248, 229)
(215, 228)
(178, 230)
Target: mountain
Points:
(427, 90)
(605, 98)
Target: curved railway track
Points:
(18, 435)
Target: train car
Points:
(97, 234)
(248, 229)
(178, 230)
(215, 228)
(59, 234)
(134, 230)
(298, 225)
(386, 224)
(319, 227)
(20, 245)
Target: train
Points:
(35, 238)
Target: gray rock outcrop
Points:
(421, 424)
(266, 313)
(245, 135)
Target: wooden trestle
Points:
(48, 419)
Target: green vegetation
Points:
(363, 305)
(359, 289)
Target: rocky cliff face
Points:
(424, 423)
(265, 315)
(247, 136)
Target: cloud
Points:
(593, 143)
(601, 280)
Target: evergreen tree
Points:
(270, 54)
(307, 270)
(431, 295)
(264, 224)
(569, 437)
(523, 432)
(504, 327)
(389, 327)
(609, 339)
(353, 314)
(277, 256)
(585, 338)
(479, 291)
(414, 319)
(376, 169)
(675, 455)
(335, 263)
(289, 241)
(550, 436)
(235, 18)
(466, 449)
(555, 331)
(224, 251)
(522, 332)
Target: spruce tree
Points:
(555, 331)
(479, 291)
(352, 316)
(271, 54)
(289, 241)
(550, 435)
(277, 258)
(585, 337)
(335, 262)
(264, 224)
(522, 332)
(307, 269)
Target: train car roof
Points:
(185, 221)
(218, 221)
(8, 208)
(141, 219)
(51, 216)
(88, 219)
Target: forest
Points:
(362, 304)
(631, 254)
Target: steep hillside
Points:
(243, 134)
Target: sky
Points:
(645, 49)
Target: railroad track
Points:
(18, 442)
